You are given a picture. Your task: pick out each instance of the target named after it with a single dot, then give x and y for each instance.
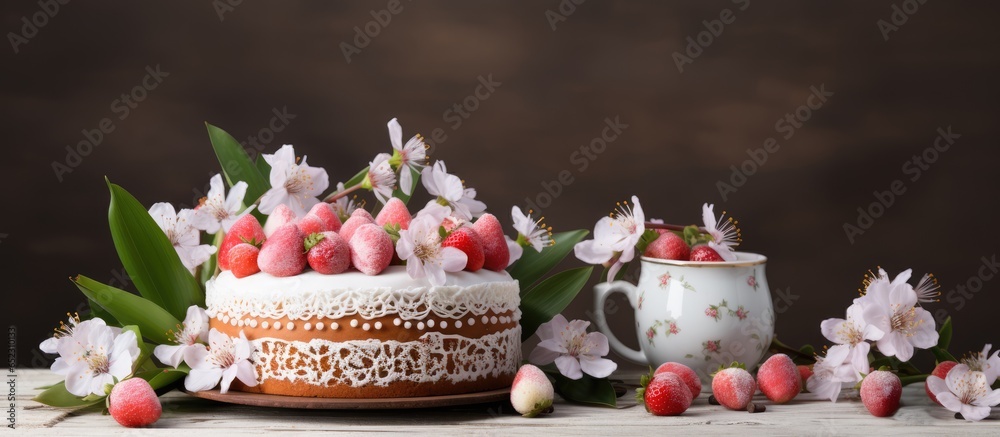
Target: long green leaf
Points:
(533, 265)
(237, 166)
(58, 396)
(586, 390)
(944, 334)
(159, 378)
(550, 297)
(148, 256)
(207, 270)
(129, 309)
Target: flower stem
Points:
(907, 380)
(334, 196)
(669, 227)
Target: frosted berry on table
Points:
(779, 379)
(133, 403)
(733, 387)
(666, 394)
(531, 393)
(685, 373)
(880, 392)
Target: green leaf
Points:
(130, 309)
(550, 297)
(944, 334)
(586, 390)
(159, 378)
(58, 396)
(264, 168)
(237, 166)
(356, 179)
(534, 265)
(207, 270)
(101, 313)
(148, 256)
(942, 355)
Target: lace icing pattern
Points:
(408, 304)
(433, 357)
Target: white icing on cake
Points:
(434, 357)
(392, 292)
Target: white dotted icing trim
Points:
(449, 302)
(434, 357)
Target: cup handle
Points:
(601, 293)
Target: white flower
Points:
(182, 233)
(381, 179)
(890, 308)
(420, 247)
(451, 192)
(615, 234)
(343, 206)
(531, 232)
(983, 362)
(927, 289)
(407, 157)
(293, 184)
(572, 348)
(853, 333)
(832, 372)
(225, 359)
(63, 332)
(725, 234)
(194, 331)
(220, 211)
(95, 356)
(965, 391)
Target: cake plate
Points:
(280, 401)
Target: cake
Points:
(353, 335)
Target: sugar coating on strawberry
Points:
(468, 241)
(531, 393)
(667, 395)
(880, 392)
(940, 371)
(327, 253)
(371, 249)
(394, 212)
(243, 260)
(324, 211)
(358, 218)
(494, 244)
(133, 403)
(669, 246)
(779, 379)
(733, 388)
(283, 254)
(281, 216)
(804, 373)
(246, 229)
(705, 253)
(685, 373)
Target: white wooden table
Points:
(186, 416)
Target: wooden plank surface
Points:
(186, 415)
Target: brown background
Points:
(684, 131)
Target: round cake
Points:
(357, 336)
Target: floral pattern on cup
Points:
(740, 313)
(670, 328)
(752, 281)
(666, 278)
(713, 310)
(642, 298)
(711, 346)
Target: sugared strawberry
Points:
(243, 260)
(394, 212)
(133, 403)
(327, 253)
(733, 387)
(940, 371)
(358, 218)
(494, 244)
(311, 225)
(779, 379)
(704, 253)
(532, 392)
(880, 392)
(281, 216)
(685, 373)
(283, 254)
(468, 241)
(665, 395)
(324, 211)
(669, 246)
(804, 373)
(246, 230)
(371, 249)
